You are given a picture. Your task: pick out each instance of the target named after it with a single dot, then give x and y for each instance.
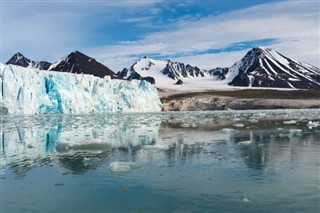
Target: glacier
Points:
(31, 91)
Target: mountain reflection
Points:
(83, 143)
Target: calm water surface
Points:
(233, 161)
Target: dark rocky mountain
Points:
(219, 72)
(20, 60)
(156, 71)
(77, 62)
(264, 67)
(134, 76)
(260, 67)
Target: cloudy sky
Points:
(206, 33)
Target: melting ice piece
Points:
(296, 132)
(244, 143)
(245, 199)
(238, 125)
(228, 131)
(157, 147)
(253, 121)
(290, 122)
(185, 125)
(119, 167)
(312, 124)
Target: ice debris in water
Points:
(119, 167)
(244, 143)
(296, 132)
(228, 130)
(253, 121)
(312, 124)
(245, 199)
(239, 125)
(290, 122)
(185, 125)
(156, 147)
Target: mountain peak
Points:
(18, 54)
(77, 62)
(160, 71)
(20, 60)
(264, 67)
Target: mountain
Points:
(20, 60)
(264, 67)
(260, 67)
(77, 62)
(157, 71)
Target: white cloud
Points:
(294, 25)
(51, 30)
(209, 61)
(48, 30)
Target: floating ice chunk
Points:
(296, 132)
(228, 130)
(312, 124)
(290, 122)
(119, 167)
(245, 199)
(239, 125)
(283, 135)
(193, 125)
(185, 125)
(253, 121)
(244, 143)
(157, 147)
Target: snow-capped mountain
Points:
(77, 62)
(157, 71)
(20, 60)
(264, 67)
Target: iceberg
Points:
(119, 167)
(31, 91)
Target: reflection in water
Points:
(183, 136)
(185, 155)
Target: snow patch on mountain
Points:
(161, 73)
(264, 67)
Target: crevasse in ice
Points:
(31, 91)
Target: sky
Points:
(203, 33)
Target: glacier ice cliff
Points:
(31, 91)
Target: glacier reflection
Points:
(230, 161)
(83, 142)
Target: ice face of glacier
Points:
(31, 91)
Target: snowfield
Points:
(31, 91)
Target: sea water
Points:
(225, 161)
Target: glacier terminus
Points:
(31, 91)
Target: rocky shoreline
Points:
(239, 100)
